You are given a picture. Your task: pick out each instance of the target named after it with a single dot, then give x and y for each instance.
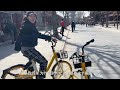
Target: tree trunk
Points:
(117, 19)
(107, 19)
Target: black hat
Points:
(30, 13)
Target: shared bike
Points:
(81, 62)
(60, 70)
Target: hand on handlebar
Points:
(54, 39)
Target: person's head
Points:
(32, 17)
(62, 19)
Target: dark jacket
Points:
(28, 36)
(73, 24)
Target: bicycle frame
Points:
(54, 57)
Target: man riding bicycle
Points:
(27, 40)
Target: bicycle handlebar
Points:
(87, 43)
(74, 55)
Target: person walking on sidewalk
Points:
(73, 26)
(1, 36)
(11, 30)
(27, 40)
(62, 27)
(102, 22)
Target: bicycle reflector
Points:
(62, 54)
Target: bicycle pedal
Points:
(4, 71)
(88, 76)
(40, 76)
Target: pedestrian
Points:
(27, 40)
(102, 22)
(11, 30)
(1, 36)
(62, 27)
(73, 26)
(114, 24)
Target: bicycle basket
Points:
(77, 60)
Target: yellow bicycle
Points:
(61, 69)
(81, 62)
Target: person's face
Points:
(32, 18)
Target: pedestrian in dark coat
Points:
(73, 26)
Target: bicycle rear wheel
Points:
(61, 70)
(14, 72)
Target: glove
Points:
(54, 39)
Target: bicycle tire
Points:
(8, 72)
(54, 74)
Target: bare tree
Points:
(79, 15)
(72, 14)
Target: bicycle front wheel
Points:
(14, 72)
(61, 70)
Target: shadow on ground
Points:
(106, 54)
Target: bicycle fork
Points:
(84, 68)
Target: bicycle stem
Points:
(83, 50)
(83, 63)
(53, 45)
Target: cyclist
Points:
(27, 40)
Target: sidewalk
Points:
(110, 27)
(5, 43)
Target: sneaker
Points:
(40, 76)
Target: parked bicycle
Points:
(81, 62)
